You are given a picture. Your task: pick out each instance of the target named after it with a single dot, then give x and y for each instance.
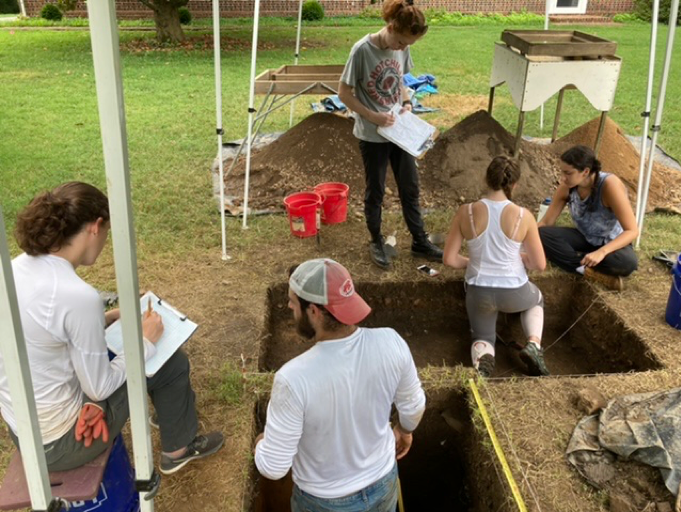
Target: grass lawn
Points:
(49, 133)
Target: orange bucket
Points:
(334, 202)
(303, 213)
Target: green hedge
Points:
(644, 10)
(9, 7)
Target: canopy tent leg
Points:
(295, 61)
(673, 17)
(109, 83)
(251, 109)
(218, 122)
(646, 113)
(15, 357)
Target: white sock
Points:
(532, 321)
(478, 349)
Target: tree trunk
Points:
(167, 19)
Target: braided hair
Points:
(502, 173)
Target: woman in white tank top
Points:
(503, 240)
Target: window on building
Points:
(567, 6)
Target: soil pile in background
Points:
(620, 157)
(322, 148)
(319, 149)
(455, 167)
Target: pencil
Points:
(149, 310)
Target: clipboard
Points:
(410, 132)
(177, 329)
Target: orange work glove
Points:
(91, 425)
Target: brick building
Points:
(133, 9)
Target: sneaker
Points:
(200, 447)
(615, 283)
(426, 249)
(378, 255)
(486, 365)
(533, 357)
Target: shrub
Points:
(185, 15)
(370, 13)
(9, 7)
(644, 10)
(51, 12)
(66, 5)
(312, 10)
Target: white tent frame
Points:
(644, 180)
(109, 84)
(256, 118)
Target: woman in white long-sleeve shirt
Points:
(63, 321)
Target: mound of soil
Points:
(322, 148)
(620, 157)
(319, 149)
(455, 167)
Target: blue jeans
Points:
(381, 496)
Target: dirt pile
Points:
(620, 157)
(455, 167)
(319, 149)
(322, 148)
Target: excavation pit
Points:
(433, 475)
(582, 336)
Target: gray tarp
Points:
(645, 428)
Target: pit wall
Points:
(133, 9)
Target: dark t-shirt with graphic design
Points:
(376, 76)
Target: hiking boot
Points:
(486, 365)
(378, 255)
(615, 283)
(533, 357)
(426, 249)
(200, 447)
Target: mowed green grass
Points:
(49, 128)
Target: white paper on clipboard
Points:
(177, 329)
(409, 132)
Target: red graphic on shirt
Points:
(384, 82)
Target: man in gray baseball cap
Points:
(329, 413)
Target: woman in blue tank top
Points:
(599, 246)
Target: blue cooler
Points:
(673, 314)
(117, 490)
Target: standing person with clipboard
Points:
(374, 70)
(80, 394)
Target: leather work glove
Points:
(91, 425)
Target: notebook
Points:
(409, 132)
(177, 329)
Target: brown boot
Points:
(610, 282)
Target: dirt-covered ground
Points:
(534, 418)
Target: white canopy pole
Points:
(300, 23)
(646, 113)
(546, 27)
(22, 8)
(251, 108)
(218, 121)
(15, 362)
(673, 16)
(106, 57)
